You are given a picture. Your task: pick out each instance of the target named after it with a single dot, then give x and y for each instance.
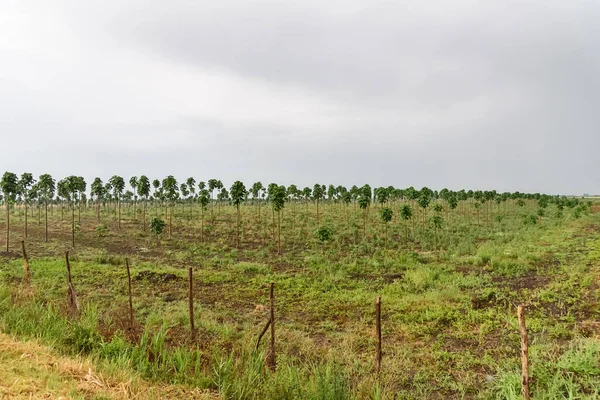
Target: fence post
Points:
(524, 353)
(73, 302)
(272, 355)
(130, 298)
(378, 328)
(26, 265)
(191, 301)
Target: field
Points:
(449, 279)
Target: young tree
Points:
(223, 195)
(318, 194)
(10, 187)
(406, 214)
(238, 196)
(25, 184)
(364, 201)
(203, 199)
(133, 182)
(68, 189)
(212, 185)
(118, 185)
(98, 191)
(157, 226)
(47, 188)
(423, 202)
(256, 189)
(386, 215)
(437, 222)
(191, 184)
(171, 189)
(143, 189)
(277, 196)
(81, 189)
(346, 199)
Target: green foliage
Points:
(530, 219)
(437, 221)
(157, 226)
(386, 214)
(9, 185)
(203, 198)
(423, 201)
(277, 197)
(324, 233)
(171, 188)
(238, 193)
(406, 212)
(143, 186)
(318, 192)
(117, 184)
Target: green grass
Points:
(449, 325)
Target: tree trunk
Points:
(46, 230)
(7, 221)
(279, 232)
(145, 201)
(237, 240)
(25, 219)
(73, 223)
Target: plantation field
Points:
(449, 290)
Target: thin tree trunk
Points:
(73, 224)
(46, 230)
(7, 222)
(279, 232)
(25, 219)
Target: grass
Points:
(29, 370)
(449, 320)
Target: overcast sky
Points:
(450, 93)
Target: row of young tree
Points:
(26, 191)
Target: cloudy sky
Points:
(444, 93)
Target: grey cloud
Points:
(445, 94)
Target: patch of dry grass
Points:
(29, 370)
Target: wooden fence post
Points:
(272, 355)
(26, 265)
(191, 301)
(378, 329)
(524, 353)
(73, 302)
(130, 299)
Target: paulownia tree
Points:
(256, 190)
(171, 190)
(133, 182)
(143, 189)
(238, 196)
(191, 185)
(212, 185)
(157, 227)
(203, 199)
(98, 191)
(24, 187)
(406, 214)
(68, 188)
(10, 187)
(118, 185)
(47, 187)
(318, 193)
(364, 201)
(386, 215)
(277, 196)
